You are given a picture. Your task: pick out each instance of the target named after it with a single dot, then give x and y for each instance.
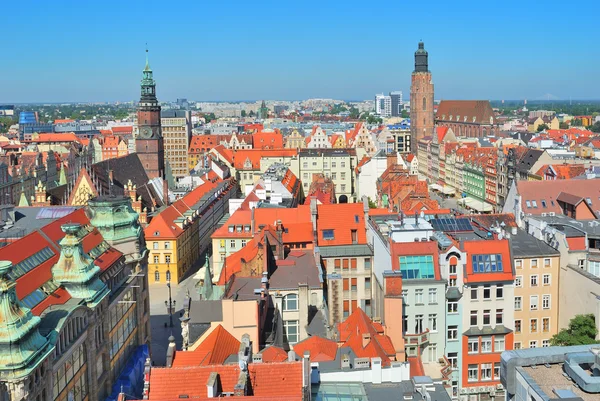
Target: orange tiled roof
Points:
(441, 133)
(424, 248)
(321, 349)
(64, 121)
(561, 171)
(282, 379)
(352, 332)
(488, 247)
(214, 350)
(274, 354)
(548, 191)
(267, 140)
(342, 218)
(51, 137)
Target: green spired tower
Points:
(76, 271)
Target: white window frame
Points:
(546, 301)
(547, 279)
(534, 301)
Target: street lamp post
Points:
(170, 304)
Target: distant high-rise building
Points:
(176, 127)
(383, 105)
(421, 98)
(396, 103)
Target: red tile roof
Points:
(488, 247)
(296, 220)
(352, 332)
(267, 140)
(59, 138)
(274, 354)
(321, 349)
(415, 249)
(214, 350)
(342, 218)
(265, 380)
(441, 133)
(416, 366)
(561, 171)
(549, 190)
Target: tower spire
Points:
(147, 68)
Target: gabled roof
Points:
(481, 110)
(321, 349)
(545, 194)
(488, 247)
(561, 171)
(214, 350)
(283, 380)
(352, 334)
(274, 354)
(342, 218)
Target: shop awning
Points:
(436, 187)
(447, 190)
(480, 206)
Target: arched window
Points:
(156, 276)
(290, 302)
(168, 275)
(424, 103)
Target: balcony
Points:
(417, 340)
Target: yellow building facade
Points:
(537, 272)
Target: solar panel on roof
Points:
(450, 224)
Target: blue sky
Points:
(230, 50)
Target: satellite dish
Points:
(242, 365)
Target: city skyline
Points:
(276, 53)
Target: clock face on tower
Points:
(146, 132)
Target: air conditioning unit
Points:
(490, 389)
(499, 387)
(482, 389)
(473, 390)
(544, 214)
(464, 391)
(551, 214)
(493, 393)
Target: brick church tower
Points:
(149, 142)
(421, 99)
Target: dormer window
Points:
(231, 229)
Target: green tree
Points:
(576, 122)
(542, 127)
(404, 114)
(251, 114)
(372, 204)
(243, 113)
(354, 113)
(5, 123)
(582, 330)
(595, 127)
(208, 117)
(563, 125)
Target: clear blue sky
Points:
(229, 50)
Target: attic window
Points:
(328, 235)
(231, 229)
(589, 201)
(156, 233)
(534, 204)
(528, 204)
(247, 229)
(544, 204)
(356, 218)
(552, 202)
(238, 229)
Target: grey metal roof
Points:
(487, 331)
(345, 250)
(397, 391)
(206, 311)
(572, 227)
(288, 276)
(523, 245)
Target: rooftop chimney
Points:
(393, 302)
(171, 351)
(252, 223)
